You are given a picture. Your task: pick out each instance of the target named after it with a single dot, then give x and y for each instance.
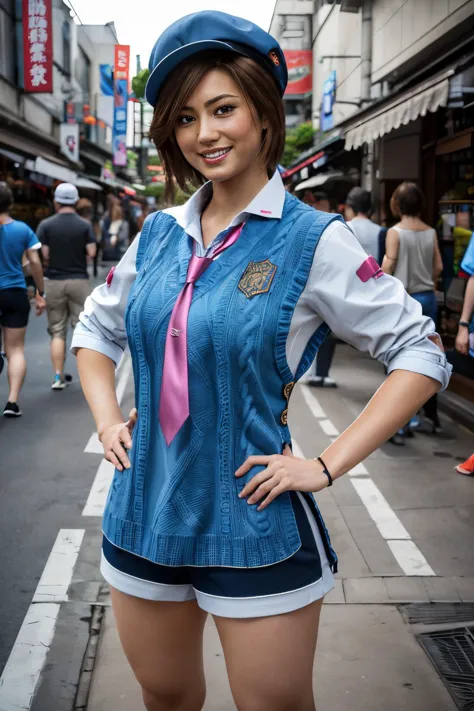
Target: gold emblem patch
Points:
(257, 278)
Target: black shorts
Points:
(14, 308)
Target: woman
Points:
(209, 510)
(412, 255)
(16, 238)
(116, 241)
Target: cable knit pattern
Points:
(179, 505)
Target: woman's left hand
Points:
(284, 472)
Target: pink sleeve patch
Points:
(369, 270)
(110, 276)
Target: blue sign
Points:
(329, 97)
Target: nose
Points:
(207, 131)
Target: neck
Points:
(361, 216)
(4, 217)
(64, 210)
(232, 196)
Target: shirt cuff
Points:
(429, 364)
(93, 343)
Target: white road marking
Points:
(329, 428)
(297, 451)
(406, 552)
(410, 559)
(97, 498)
(379, 510)
(22, 671)
(312, 402)
(94, 446)
(123, 376)
(57, 574)
(358, 470)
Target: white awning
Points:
(53, 170)
(427, 96)
(86, 183)
(322, 179)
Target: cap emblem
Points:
(274, 57)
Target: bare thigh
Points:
(270, 659)
(163, 644)
(13, 340)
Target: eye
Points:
(185, 120)
(224, 110)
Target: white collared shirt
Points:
(376, 316)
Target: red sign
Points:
(38, 46)
(122, 61)
(300, 71)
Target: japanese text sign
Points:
(38, 46)
(121, 77)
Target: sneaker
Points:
(11, 409)
(315, 380)
(329, 383)
(467, 467)
(68, 378)
(414, 423)
(59, 383)
(398, 438)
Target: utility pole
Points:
(365, 86)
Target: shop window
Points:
(7, 44)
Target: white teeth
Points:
(217, 154)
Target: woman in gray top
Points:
(412, 255)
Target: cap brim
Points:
(163, 68)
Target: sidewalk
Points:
(369, 657)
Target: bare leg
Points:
(163, 644)
(14, 342)
(58, 355)
(270, 659)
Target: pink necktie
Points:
(174, 398)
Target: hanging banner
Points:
(69, 140)
(327, 104)
(121, 78)
(300, 71)
(38, 46)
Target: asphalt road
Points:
(44, 478)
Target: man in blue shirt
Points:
(16, 238)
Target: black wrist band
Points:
(326, 471)
(465, 324)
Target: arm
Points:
(99, 341)
(462, 339)
(437, 261)
(33, 246)
(91, 250)
(376, 316)
(392, 245)
(91, 242)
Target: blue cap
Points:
(211, 29)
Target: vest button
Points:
(287, 390)
(284, 417)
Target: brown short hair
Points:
(6, 197)
(407, 199)
(84, 208)
(256, 84)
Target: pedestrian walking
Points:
(116, 235)
(357, 211)
(16, 238)
(85, 209)
(412, 255)
(224, 302)
(67, 240)
(465, 337)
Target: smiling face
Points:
(217, 132)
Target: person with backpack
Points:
(16, 238)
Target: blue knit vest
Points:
(179, 505)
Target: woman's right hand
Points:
(117, 439)
(462, 340)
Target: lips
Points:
(215, 156)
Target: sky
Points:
(139, 23)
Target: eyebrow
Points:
(212, 101)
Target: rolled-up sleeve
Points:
(375, 315)
(101, 325)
